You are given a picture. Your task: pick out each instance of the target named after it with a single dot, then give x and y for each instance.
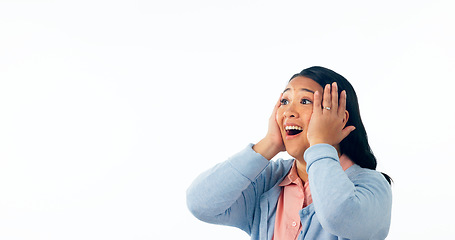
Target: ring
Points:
(327, 108)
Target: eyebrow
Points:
(302, 89)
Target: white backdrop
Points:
(109, 109)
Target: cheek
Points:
(305, 115)
(306, 118)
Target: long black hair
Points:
(355, 145)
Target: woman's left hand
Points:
(327, 123)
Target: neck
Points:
(301, 169)
(301, 165)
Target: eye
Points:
(284, 101)
(305, 101)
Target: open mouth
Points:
(293, 130)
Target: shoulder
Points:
(279, 167)
(368, 178)
(275, 172)
(357, 172)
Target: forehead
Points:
(300, 82)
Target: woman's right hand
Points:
(272, 143)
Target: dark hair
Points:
(355, 145)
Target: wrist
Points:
(266, 148)
(318, 141)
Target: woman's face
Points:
(293, 116)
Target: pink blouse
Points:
(295, 196)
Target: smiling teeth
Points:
(293, 128)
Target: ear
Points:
(345, 118)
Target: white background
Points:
(109, 109)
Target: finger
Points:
(334, 97)
(317, 108)
(277, 105)
(342, 104)
(346, 131)
(326, 102)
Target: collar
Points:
(293, 176)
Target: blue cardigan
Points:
(243, 192)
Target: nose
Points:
(290, 111)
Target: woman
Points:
(329, 191)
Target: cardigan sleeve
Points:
(355, 204)
(226, 194)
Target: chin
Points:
(296, 151)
